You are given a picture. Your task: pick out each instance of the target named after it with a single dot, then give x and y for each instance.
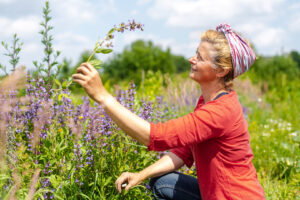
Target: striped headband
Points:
(242, 55)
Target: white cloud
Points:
(295, 24)
(191, 13)
(32, 47)
(24, 26)
(270, 37)
(186, 49)
(256, 20)
(195, 35)
(75, 10)
(133, 36)
(143, 2)
(265, 38)
(72, 44)
(294, 19)
(6, 1)
(262, 7)
(269, 24)
(70, 38)
(134, 12)
(263, 35)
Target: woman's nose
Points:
(192, 60)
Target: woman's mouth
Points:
(194, 70)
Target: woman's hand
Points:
(131, 179)
(88, 77)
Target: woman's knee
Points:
(174, 185)
(166, 179)
(163, 186)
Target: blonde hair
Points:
(222, 57)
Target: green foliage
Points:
(275, 144)
(181, 63)
(45, 68)
(84, 56)
(142, 56)
(279, 78)
(79, 157)
(95, 63)
(274, 68)
(296, 57)
(274, 132)
(152, 85)
(12, 52)
(66, 69)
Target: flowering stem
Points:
(96, 47)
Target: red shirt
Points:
(216, 137)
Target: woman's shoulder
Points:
(227, 99)
(225, 106)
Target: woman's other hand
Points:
(131, 179)
(88, 77)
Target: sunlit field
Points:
(56, 143)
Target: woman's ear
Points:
(222, 72)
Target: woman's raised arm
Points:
(88, 77)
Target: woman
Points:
(215, 136)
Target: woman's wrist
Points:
(142, 176)
(103, 98)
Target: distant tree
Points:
(296, 57)
(140, 57)
(274, 71)
(65, 71)
(83, 58)
(181, 63)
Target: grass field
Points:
(68, 148)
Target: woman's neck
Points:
(211, 90)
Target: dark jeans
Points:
(175, 186)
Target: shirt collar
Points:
(201, 99)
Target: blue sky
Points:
(272, 25)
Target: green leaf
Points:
(95, 62)
(59, 97)
(55, 180)
(111, 31)
(69, 81)
(107, 181)
(104, 51)
(57, 82)
(64, 85)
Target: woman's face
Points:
(202, 65)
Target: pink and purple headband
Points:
(241, 54)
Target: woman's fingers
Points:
(128, 186)
(83, 70)
(78, 77)
(123, 178)
(79, 81)
(88, 66)
(131, 179)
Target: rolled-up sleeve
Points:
(185, 154)
(196, 127)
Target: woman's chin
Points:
(192, 76)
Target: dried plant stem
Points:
(34, 180)
(15, 188)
